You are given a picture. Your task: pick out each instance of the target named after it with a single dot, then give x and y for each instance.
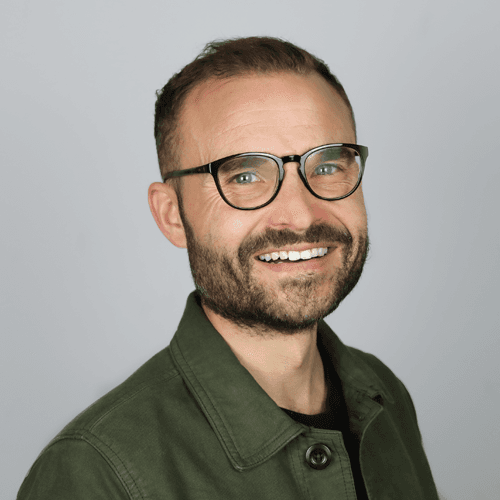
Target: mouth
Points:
(314, 263)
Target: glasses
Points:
(249, 181)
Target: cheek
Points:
(205, 202)
(202, 207)
(352, 211)
(359, 218)
(360, 204)
(222, 226)
(237, 224)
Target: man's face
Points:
(280, 114)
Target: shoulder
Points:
(157, 376)
(74, 468)
(378, 366)
(92, 453)
(393, 386)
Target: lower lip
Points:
(302, 265)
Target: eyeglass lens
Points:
(251, 181)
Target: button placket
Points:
(318, 456)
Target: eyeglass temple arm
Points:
(205, 169)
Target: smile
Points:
(293, 255)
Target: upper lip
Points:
(295, 249)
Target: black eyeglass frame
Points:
(213, 167)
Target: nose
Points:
(291, 173)
(294, 198)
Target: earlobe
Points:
(165, 210)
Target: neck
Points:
(288, 367)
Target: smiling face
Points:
(281, 114)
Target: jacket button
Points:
(318, 456)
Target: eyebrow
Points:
(282, 156)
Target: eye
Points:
(244, 177)
(327, 169)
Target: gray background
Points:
(90, 288)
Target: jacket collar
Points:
(248, 423)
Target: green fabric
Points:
(192, 423)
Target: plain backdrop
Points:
(91, 289)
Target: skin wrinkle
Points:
(237, 147)
(268, 319)
(243, 127)
(205, 90)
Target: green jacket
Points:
(192, 423)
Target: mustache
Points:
(323, 233)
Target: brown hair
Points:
(224, 59)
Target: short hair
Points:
(224, 59)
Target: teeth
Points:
(294, 256)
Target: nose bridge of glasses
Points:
(290, 159)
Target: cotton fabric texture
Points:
(192, 423)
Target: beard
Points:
(234, 288)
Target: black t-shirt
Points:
(336, 418)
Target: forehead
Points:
(280, 114)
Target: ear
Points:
(164, 206)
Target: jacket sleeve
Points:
(72, 469)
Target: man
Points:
(256, 397)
